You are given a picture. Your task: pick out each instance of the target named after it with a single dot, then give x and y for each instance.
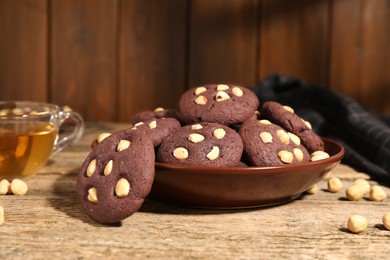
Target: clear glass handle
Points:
(68, 133)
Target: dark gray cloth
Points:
(364, 135)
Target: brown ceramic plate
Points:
(240, 187)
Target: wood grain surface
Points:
(111, 59)
(83, 52)
(223, 42)
(23, 50)
(48, 222)
(151, 55)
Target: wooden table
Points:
(48, 223)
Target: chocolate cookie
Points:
(267, 144)
(116, 176)
(202, 144)
(158, 129)
(286, 118)
(157, 113)
(217, 103)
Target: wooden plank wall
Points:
(111, 59)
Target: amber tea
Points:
(29, 135)
(25, 147)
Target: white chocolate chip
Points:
(158, 109)
(319, 155)
(91, 168)
(180, 153)
(219, 133)
(196, 127)
(18, 187)
(201, 100)
(138, 124)
(92, 195)
(108, 169)
(265, 122)
(1, 215)
(153, 124)
(285, 156)
(298, 154)
(222, 87)
(237, 92)
(213, 154)
(195, 138)
(294, 138)
(283, 136)
(200, 90)
(289, 109)
(221, 96)
(123, 145)
(265, 137)
(4, 187)
(122, 188)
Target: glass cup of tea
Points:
(32, 131)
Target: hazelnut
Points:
(357, 223)
(18, 187)
(1, 215)
(4, 187)
(377, 193)
(386, 220)
(354, 193)
(313, 189)
(334, 185)
(363, 184)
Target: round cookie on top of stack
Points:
(217, 103)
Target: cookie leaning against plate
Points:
(217, 103)
(202, 144)
(286, 118)
(116, 176)
(267, 144)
